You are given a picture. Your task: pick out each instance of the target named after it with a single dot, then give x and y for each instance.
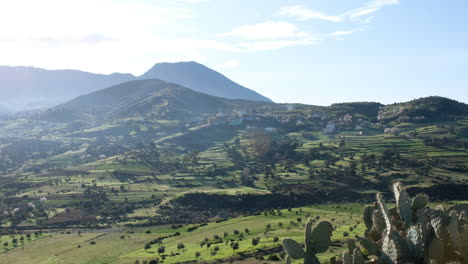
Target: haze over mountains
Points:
(25, 88)
(141, 97)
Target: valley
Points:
(152, 163)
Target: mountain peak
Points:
(198, 77)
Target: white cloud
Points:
(341, 33)
(303, 13)
(266, 30)
(273, 44)
(369, 8)
(269, 35)
(229, 64)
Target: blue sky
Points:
(315, 52)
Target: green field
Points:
(110, 180)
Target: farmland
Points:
(224, 186)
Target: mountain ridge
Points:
(172, 101)
(25, 87)
(151, 96)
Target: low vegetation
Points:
(180, 183)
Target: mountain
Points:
(156, 97)
(23, 88)
(202, 79)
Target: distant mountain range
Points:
(23, 88)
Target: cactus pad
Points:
(367, 216)
(308, 236)
(420, 202)
(453, 231)
(358, 258)
(347, 258)
(395, 248)
(384, 210)
(403, 202)
(439, 222)
(311, 259)
(351, 244)
(416, 241)
(321, 237)
(379, 222)
(436, 250)
(369, 245)
(293, 248)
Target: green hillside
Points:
(152, 156)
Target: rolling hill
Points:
(155, 97)
(433, 108)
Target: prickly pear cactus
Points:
(367, 216)
(320, 237)
(437, 250)
(311, 259)
(379, 222)
(396, 249)
(385, 214)
(293, 248)
(358, 258)
(439, 222)
(308, 236)
(351, 245)
(453, 231)
(415, 233)
(416, 242)
(370, 246)
(347, 259)
(420, 201)
(316, 240)
(404, 203)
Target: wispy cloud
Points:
(143, 32)
(301, 12)
(266, 30)
(341, 33)
(269, 35)
(369, 8)
(273, 44)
